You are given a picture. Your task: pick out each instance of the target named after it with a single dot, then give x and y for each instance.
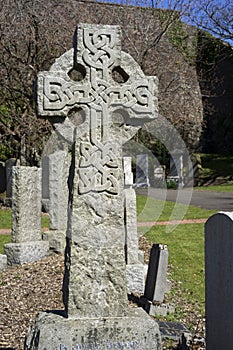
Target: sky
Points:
(225, 10)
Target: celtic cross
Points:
(84, 79)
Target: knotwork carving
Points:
(98, 52)
(98, 168)
(100, 44)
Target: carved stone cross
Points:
(83, 83)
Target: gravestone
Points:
(45, 182)
(128, 174)
(219, 281)
(9, 165)
(156, 282)
(2, 177)
(135, 271)
(27, 244)
(142, 172)
(159, 176)
(56, 170)
(176, 167)
(94, 288)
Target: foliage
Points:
(179, 36)
(215, 165)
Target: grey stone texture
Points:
(131, 227)
(94, 289)
(135, 278)
(134, 257)
(2, 177)
(56, 239)
(25, 252)
(26, 204)
(27, 244)
(142, 171)
(3, 261)
(55, 187)
(128, 174)
(9, 165)
(156, 280)
(136, 330)
(219, 281)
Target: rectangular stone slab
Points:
(137, 330)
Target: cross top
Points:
(97, 55)
(84, 78)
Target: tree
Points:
(33, 33)
(215, 16)
(29, 42)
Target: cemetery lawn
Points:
(217, 188)
(186, 263)
(150, 209)
(3, 240)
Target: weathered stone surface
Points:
(136, 330)
(131, 226)
(135, 278)
(57, 240)
(157, 273)
(128, 174)
(3, 261)
(26, 204)
(25, 252)
(134, 268)
(97, 285)
(59, 163)
(9, 165)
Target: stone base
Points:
(57, 240)
(137, 330)
(160, 309)
(3, 262)
(135, 278)
(20, 253)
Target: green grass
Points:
(217, 188)
(186, 258)
(3, 240)
(5, 219)
(150, 209)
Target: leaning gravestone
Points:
(27, 244)
(219, 281)
(94, 289)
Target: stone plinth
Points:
(3, 261)
(136, 330)
(20, 253)
(27, 244)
